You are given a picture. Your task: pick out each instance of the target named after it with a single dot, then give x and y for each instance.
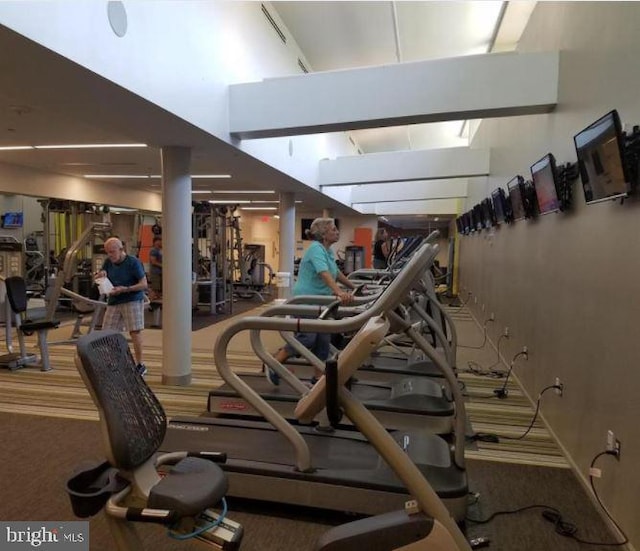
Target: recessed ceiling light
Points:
(90, 145)
(240, 191)
(120, 176)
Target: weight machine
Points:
(89, 310)
(211, 256)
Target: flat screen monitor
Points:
(488, 216)
(465, 223)
(501, 206)
(515, 188)
(601, 164)
(544, 177)
(477, 218)
(529, 199)
(12, 220)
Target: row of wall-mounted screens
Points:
(603, 171)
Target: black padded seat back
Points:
(132, 418)
(17, 293)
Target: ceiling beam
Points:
(437, 207)
(400, 166)
(468, 87)
(410, 191)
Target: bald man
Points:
(125, 305)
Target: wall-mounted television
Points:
(305, 224)
(515, 187)
(12, 220)
(465, 222)
(545, 182)
(501, 206)
(477, 220)
(488, 215)
(601, 163)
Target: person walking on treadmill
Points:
(381, 250)
(125, 302)
(155, 269)
(318, 275)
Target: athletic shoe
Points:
(271, 375)
(141, 369)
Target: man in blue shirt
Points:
(125, 301)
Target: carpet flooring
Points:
(47, 423)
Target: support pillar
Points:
(287, 242)
(176, 269)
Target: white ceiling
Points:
(44, 99)
(344, 35)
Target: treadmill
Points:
(391, 368)
(416, 403)
(275, 461)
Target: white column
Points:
(176, 266)
(287, 240)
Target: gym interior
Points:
(529, 314)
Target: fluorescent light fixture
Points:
(276, 216)
(199, 191)
(220, 202)
(257, 208)
(241, 191)
(15, 147)
(211, 175)
(90, 145)
(121, 176)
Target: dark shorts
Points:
(156, 282)
(379, 264)
(318, 343)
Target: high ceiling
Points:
(345, 35)
(44, 99)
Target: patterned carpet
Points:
(61, 393)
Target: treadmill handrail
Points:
(401, 465)
(392, 296)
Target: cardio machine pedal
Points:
(226, 536)
(477, 543)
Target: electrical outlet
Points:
(613, 444)
(559, 387)
(506, 332)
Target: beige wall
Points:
(567, 284)
(264, 229)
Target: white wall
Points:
(35, 183)
(567, 284)
(182, 56)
